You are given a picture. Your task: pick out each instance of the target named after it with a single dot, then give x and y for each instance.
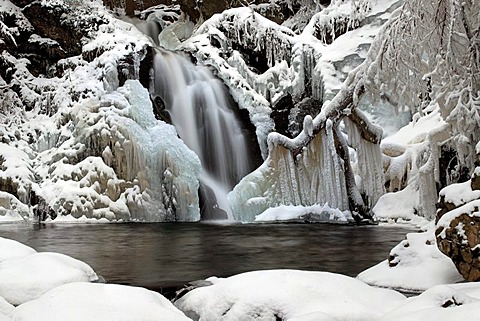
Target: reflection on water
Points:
(171, 254)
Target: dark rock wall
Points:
(204, 9)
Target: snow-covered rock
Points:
(399, 205)
(458, 226)
(12, 249)
(440, 303)
(27, 278)
(141, 169)
(414, 265)
(288, 295)
(311, 214)
(94, 302)
(6, 309)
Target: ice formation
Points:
(233, 43)
(88, 144)
(143, 171)
(261, 63)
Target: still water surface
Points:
(165, 255)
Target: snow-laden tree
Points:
(433, 49)
(428, 58)
(425, 58)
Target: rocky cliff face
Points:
(278, 11)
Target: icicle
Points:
(370, 164)
(427, 190)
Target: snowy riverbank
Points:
(61, 289)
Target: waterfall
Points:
(198, 106)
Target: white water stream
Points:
(198, 106)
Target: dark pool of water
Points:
(166, 255)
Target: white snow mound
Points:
(288, 294)
(416, 264)
(95, 301)
(440, 303)
(27, 278)
(11, 249)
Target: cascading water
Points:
(198, 107)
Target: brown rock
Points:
(475, 182)
(460, 244)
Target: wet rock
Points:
(209, 209)
(475, 182)
(280, 113)
(443, 207)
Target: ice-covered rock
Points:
(261, 61)
(143, 171)
(77, 145)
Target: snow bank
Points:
(415, 265)
(6, 309)
(93, 302)
(314, 213)
(288, 295)
(27, 278)
(399, 205)
(440, 303)
(459, 194)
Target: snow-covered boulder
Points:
(458, 226)
(27, 278)
(6, 309)
(440, 303)
(288, 295)
(13, 249)
(414, 265)
(94, 302)
(11, 209)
